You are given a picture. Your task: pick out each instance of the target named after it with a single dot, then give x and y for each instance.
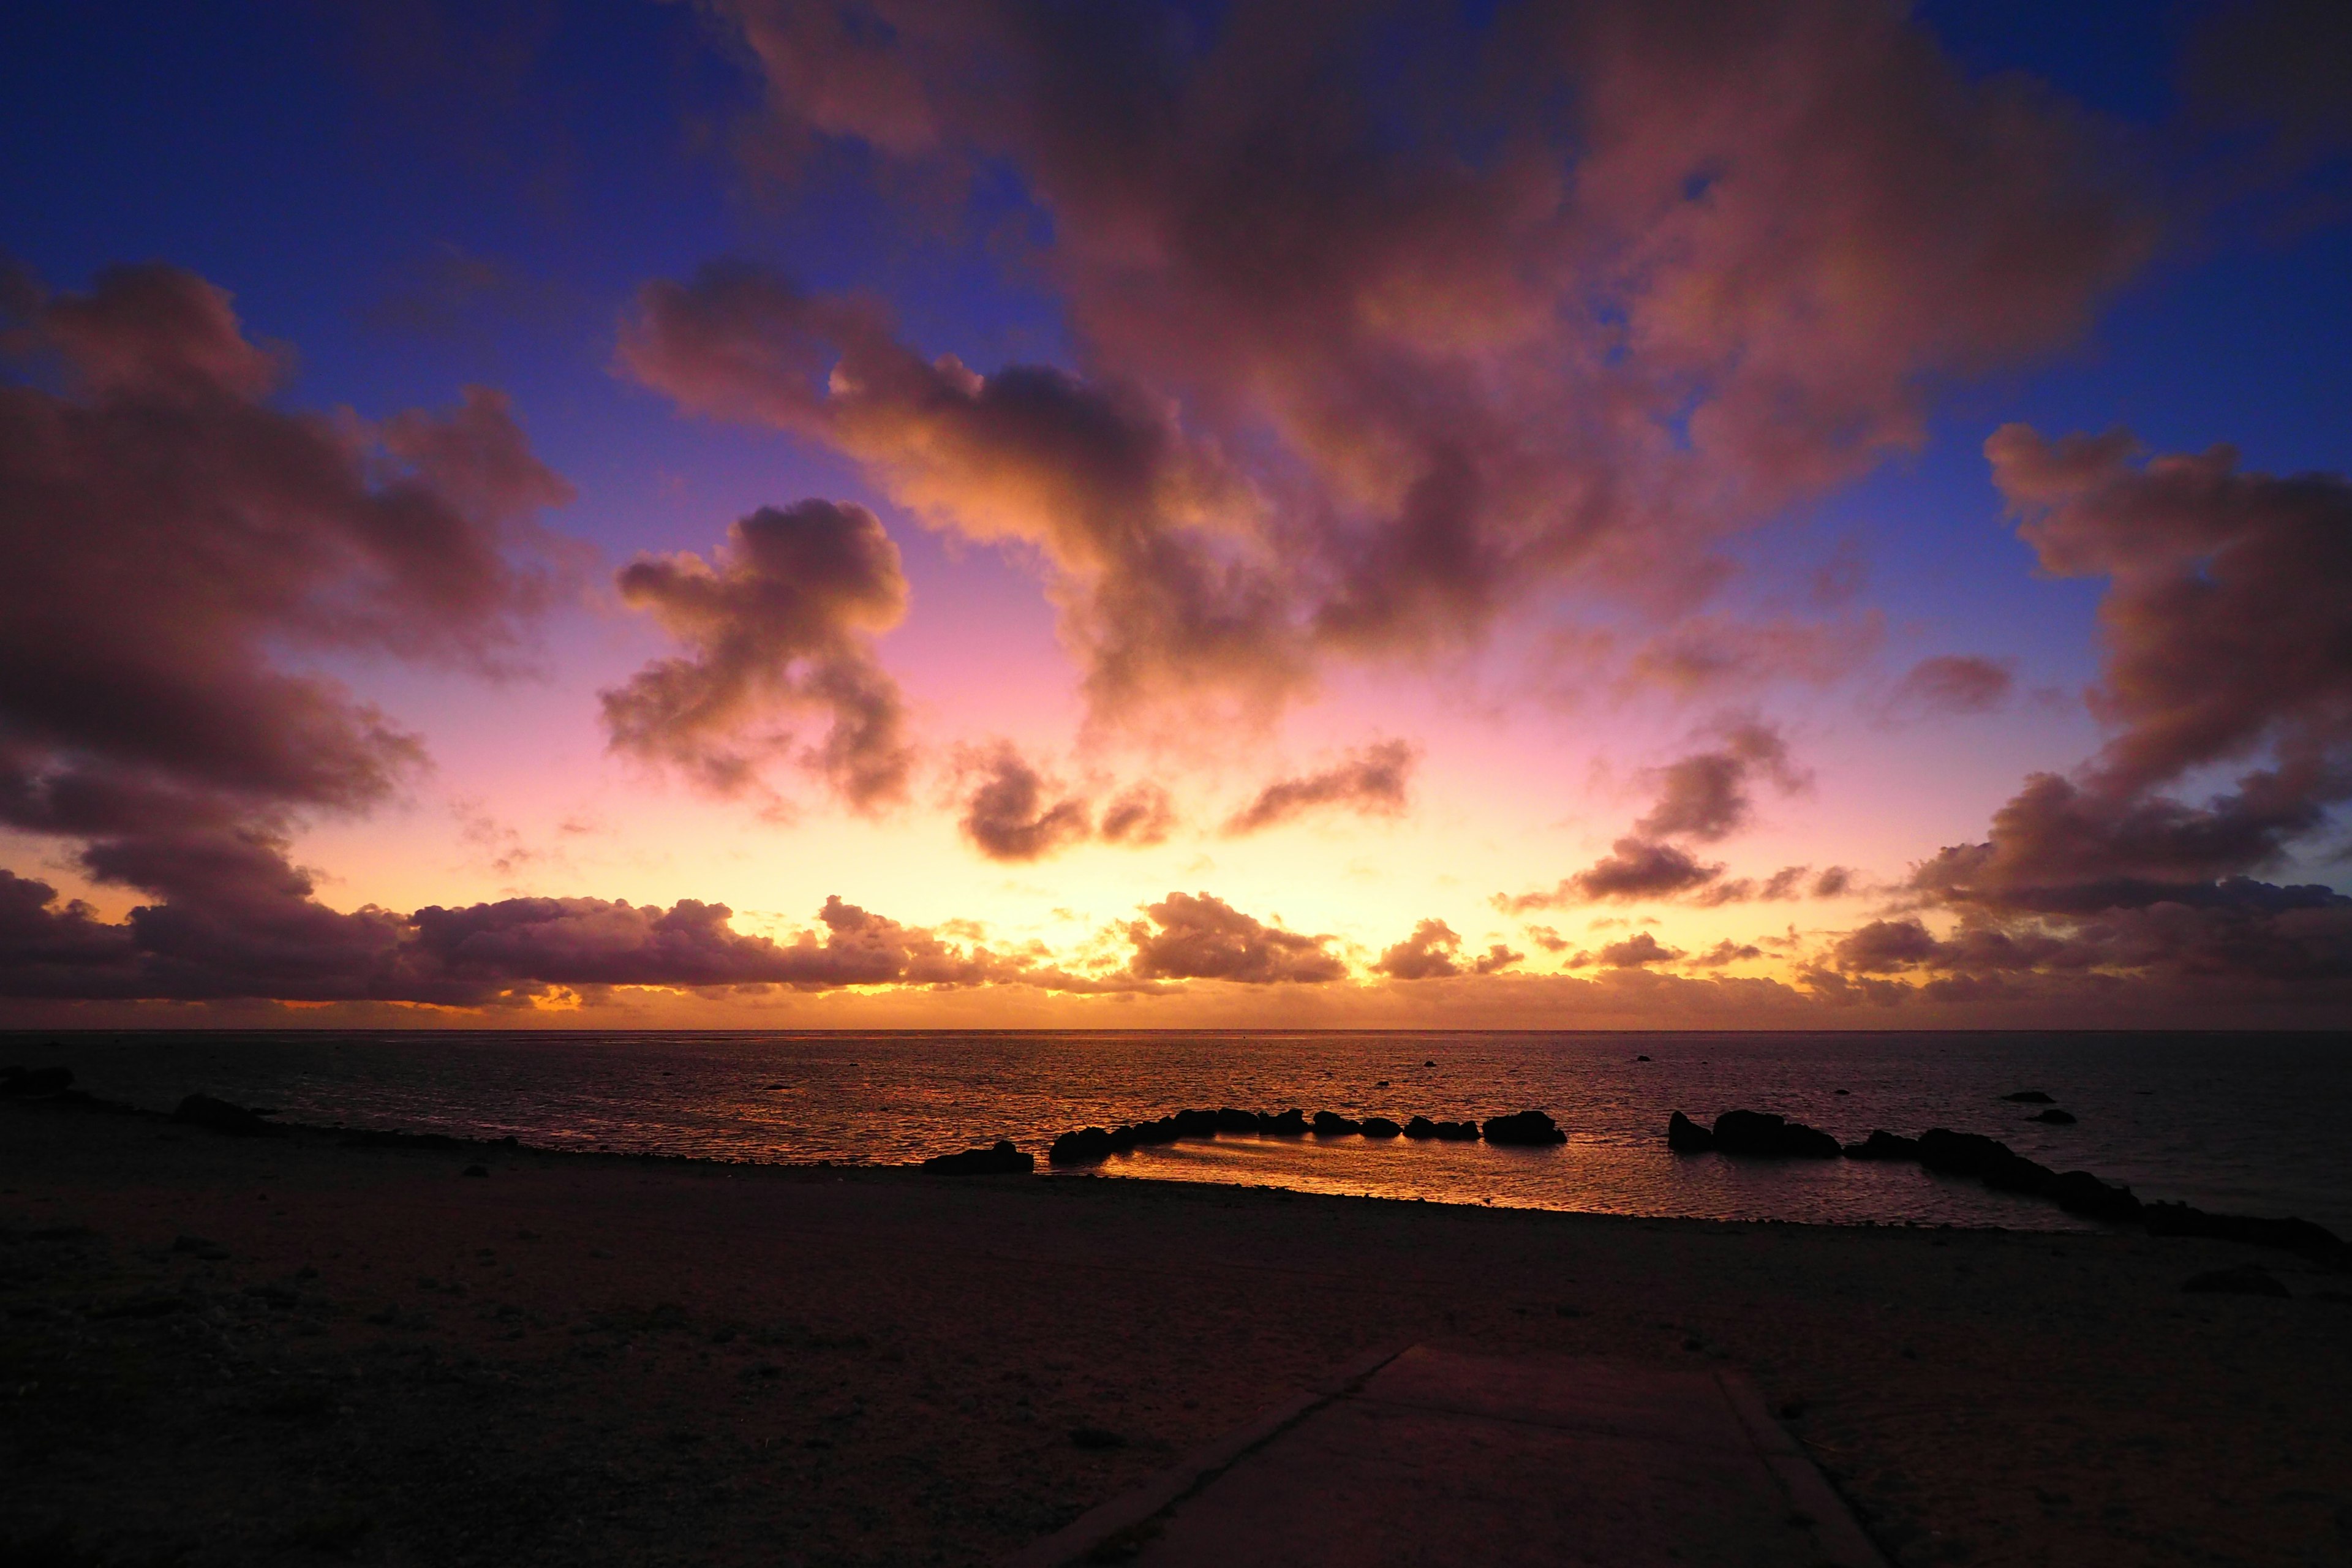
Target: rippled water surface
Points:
(2242, 1123)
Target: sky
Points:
(984, 514)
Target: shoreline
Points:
(361, 1354)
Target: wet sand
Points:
(360, 1354)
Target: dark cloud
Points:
(1707, 796)
(1633, 869)
(1140, 815)
(2227, 633)
(1359, 380)
(1373, 782)
(1727, 952)
(1637, 950)
(1012, 812)
(171, 535)
(1951, 684)
(266, 938)
(1433, 952)
(1199, 937)
(782, 622)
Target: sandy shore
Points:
(360, 1354)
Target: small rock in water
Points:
(1641, 1058)
(1429, 1064)
(2056, 1116)
(475, 1171)
(2029, 1096)
(1331, 1124)
(1380, 1127)
(1840, 1091)
(1884, 1145)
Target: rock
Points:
(1084, 1146)
(1457, 1132)
(1331, 1124)
(2295, 1235)
(2246, 1279)
(1232, 1121)
(1196, 1123)
(1684, 1136)
(1884, 1145)
(483, 1171)
(2079, 1192)
(1840, 1091)
(1097, 1438)
(1421, 1127)
(2029, 1096)
(1380, 1127)
(204, 1111)
(1000, 1159)
(1759, 1132)
(1291, 1123)
(1958, 1154)
(1382, 1084)
(1524, 1128)
(1641, 1058)
(28, 1083)
(2056, 1116)
(1429, 1064)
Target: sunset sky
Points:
(1819, 514)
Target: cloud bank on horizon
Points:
(1417, 477)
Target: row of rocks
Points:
(1093, 1145)
(1000, 1159)
(1998, 1166)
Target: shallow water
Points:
(2242, 1123)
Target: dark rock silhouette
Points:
(2246, 1279)
(1000, 1159)
(1684, 1136)
(2029, 1096)
(2079, 1192)
(1331, 1124)
(475, 1171)
(1196, 1123)
(1759, 1132)
(1527, 1128)
(1232, 1121)
(1291, 1123)
(1085, 1146)
(2056, 1116)
(204, 1111)
(1641, 1058)
(1421, 1127)
(2294, 1234)
(1380, 1127)
(1884, 1145)
(27, 1083)
(1458, 1131)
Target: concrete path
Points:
(1431, 1458)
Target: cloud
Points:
(1372, 782)
(1951, 684)
(782, 622)
(172, 535)
(1706, 795)
(1199, 937)
(1352, 385)
(1011, 813)
(1637, 950)
(1140, 815)
(1433, 952)
(1727, 952)
(2227, 640)
(1634, 868)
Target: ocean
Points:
(2238, 1123)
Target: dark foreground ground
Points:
(287, 1350)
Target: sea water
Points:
(2237, 1124)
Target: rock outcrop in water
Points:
(1523, 1128)
(1444, 1132)
(1684, 1136)
(1331, 1124)
(2003, 1169)
(1759, 1132)
(204, 1111)
(34, 1083)
(1000, 1159)
(1380, 1127)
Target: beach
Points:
(293, 1349)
